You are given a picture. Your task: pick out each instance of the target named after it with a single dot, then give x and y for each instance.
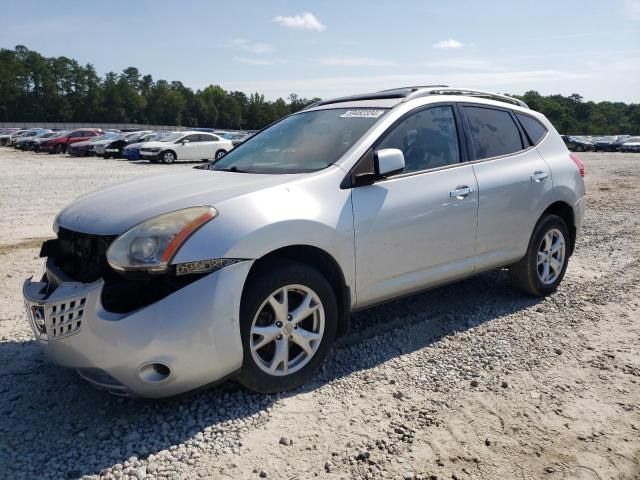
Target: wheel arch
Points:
(322, 261)
(564, 211)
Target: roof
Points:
(404, 94)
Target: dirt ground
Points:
(471, 380)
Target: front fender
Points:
(315, 213)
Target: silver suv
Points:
(251, 266)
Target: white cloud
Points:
(304, 21)
(633, 7)
(259, 61)
(449, 43)
(256, 48)
(355, 62)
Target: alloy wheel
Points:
(287, 330)
(551, 256)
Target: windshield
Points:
(159, 136)
(304, 142)
(63, 133)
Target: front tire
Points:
(543, 267)
(60, 149)
(579, 148)
(220, 154)
(168, 157)
(288, 323)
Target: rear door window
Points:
(493, 132)
(535, 130)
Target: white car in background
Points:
(186, 146)
(631, 145)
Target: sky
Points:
(333, 48)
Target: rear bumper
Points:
(194, 331)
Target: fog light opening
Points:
(154, 372)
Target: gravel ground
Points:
(471, 380)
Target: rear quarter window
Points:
(534, 129)
(493, 132)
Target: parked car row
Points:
(610, 143)
(165, 147)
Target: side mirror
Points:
(388, 161)
(185, 141)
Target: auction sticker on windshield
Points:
(362, 113)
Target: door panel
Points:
(192, 149)
(410, 233)
(208, 147)
(513, 191)
(513, 180)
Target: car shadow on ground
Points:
(49, 417)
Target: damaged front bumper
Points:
(193, 334)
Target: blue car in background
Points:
(132, 151)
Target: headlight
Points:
(152, 244)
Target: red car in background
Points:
(59, 143)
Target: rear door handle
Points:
(462, 191)
(539, 176)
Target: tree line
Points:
(34, 88)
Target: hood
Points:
(115, 209)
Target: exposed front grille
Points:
(65, 318)
(81, 256)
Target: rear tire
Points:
(293, 346)
(61, 149)
(542, 268)
(579, 148)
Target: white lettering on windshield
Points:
(362, 113)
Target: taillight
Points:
(579, 163)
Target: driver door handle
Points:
(462, 191)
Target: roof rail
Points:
(396, 93)
(409, 93)
(413, 88)
(467, 92)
